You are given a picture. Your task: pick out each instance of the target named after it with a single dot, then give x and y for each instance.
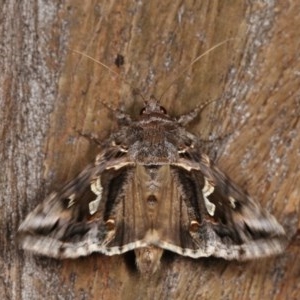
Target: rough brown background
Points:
(48, 91)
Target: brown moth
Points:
(152, 189)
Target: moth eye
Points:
(110, 224)
(163, 110)
(194, 226)
(142, 110)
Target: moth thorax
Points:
(148, 259)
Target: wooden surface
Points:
(48, 91)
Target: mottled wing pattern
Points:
(224, 220)
(72, 222)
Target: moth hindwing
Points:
(152, 189)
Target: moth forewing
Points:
(152, 189)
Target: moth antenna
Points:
(107, 68)
(193, 62)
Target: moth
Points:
(151, 189)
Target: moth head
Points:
(152, 106)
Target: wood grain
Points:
(48, 92)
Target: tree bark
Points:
(48, 92)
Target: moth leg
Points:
(218, 139)
(90, 137)
(119, 113)
(213, 146)
(192, 115)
